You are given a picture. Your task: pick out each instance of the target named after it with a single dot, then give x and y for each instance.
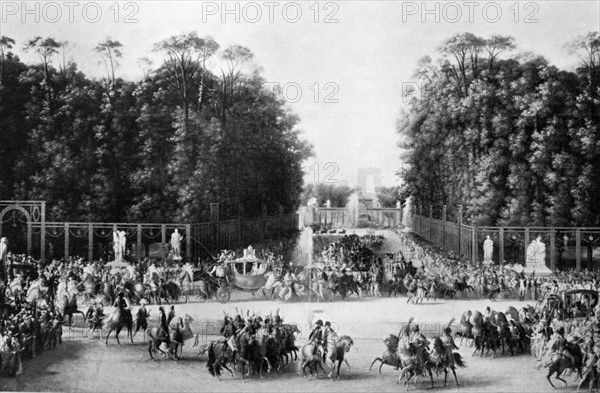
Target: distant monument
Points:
(535, 261)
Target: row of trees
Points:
(513, 138)
(160, 149)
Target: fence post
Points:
(90, 242)
(501, 246)
(43, 235)
(460, 210)
(214, 219)
(552, 249)
(139, 242)
(66, 240)
(430, 220)
(188, 242)
(526, 243)
(444, 215)
(475, 248)
(578, 249)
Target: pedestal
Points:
(537, 268)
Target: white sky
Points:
(369, 53)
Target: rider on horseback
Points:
(163, 330)
(448, 342)
(560, 345)
(328, 334)
(421, 344)
(316, 337)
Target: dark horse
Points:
(219, 356)
(560, 363)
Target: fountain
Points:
(353, 209)
(406, 215)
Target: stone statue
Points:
(122, 244)
(3, 252)
(3, 247)
(536, 254)
(176, 239)
(117, 246)
(488, 249)
(328, 204)
(312, 202)
(398, 205)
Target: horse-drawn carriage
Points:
(564, 301)
(248, 274)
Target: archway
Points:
(19, 222)
(15, 225)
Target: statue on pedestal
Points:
(122, 244)
(176, 239)
(536, 255)
(117, 246)
(328, 204)
(488, 250)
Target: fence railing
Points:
(566, 247)
(94, 241)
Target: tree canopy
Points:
(159, 149)
(512, 138)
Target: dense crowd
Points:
(36, 298)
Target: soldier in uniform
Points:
(560, 344)
(421, 344)
(316, 336)
(164, 326)
(228, 331)
(171, 315)
(141, 318)
(449, 343)
(328, 334)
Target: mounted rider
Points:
(316, 337)
(448, 342)
(328, 334)
(421, 345)
(141, 317)
(228, 331)
(163, 329)
(560, 345)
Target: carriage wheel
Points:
(223, 295)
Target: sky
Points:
(343, 64)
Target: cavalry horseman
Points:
(421, 345)
(316, 337)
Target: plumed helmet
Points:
(447, 331)
(277, 319)
(414, 328)
(319, 323)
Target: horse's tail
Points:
(210, 365)
(458, 360)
